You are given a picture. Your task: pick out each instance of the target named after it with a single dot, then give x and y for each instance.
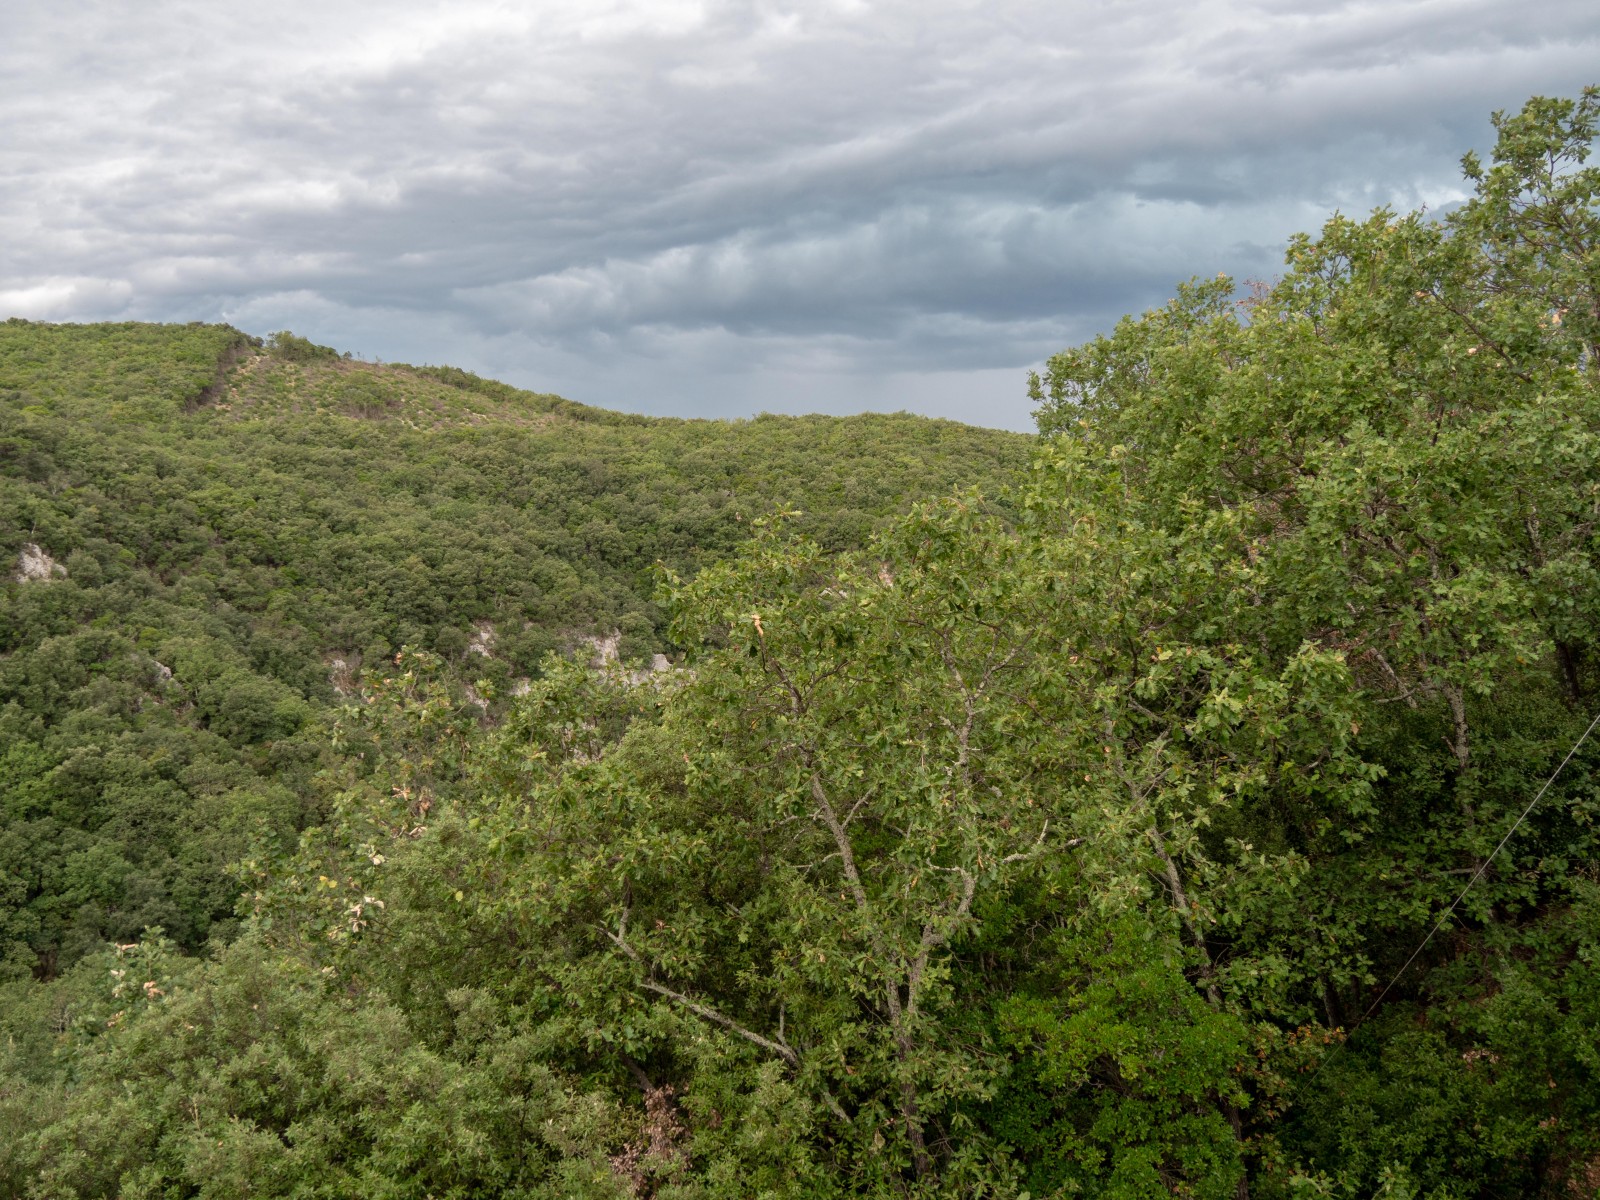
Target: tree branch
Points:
(778, 1046)
(1038, 847)
(783, 1051)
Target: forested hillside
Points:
(207, 539)
(1209, 813)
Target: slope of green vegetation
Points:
(1091, 845)
(235, 530)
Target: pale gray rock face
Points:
(342, 675)
(659, 663)
(605, 648)
(482, 642)
(35, 566)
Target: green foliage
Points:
(882, 850)
(1399, 437)
(292, 348)
(258, 1078)
(1064, 847)
(236, 531)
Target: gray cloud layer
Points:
(716, 208)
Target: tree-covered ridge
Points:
(234, 537)
(114, 372)
(1085, 847)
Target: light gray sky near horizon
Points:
(707, 208)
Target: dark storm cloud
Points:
(723, 207)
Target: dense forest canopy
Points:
(1082, 840)
(226, 533)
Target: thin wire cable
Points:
(1476, 875)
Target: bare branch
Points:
(781, 1048)
(847, 860)
(933, 936)
(834, 1106)
(1401, 690)
(620, 937)
(783, 1051)
(847, 856)
(969, 885)
(783, 676)
(646, 1085)
(1038, 846)
(856, 807)
(778, 1046)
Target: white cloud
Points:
(675, 203)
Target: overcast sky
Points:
(714, 209)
